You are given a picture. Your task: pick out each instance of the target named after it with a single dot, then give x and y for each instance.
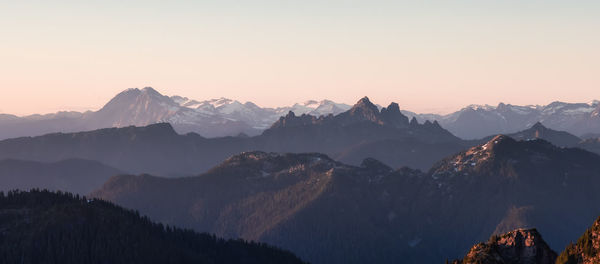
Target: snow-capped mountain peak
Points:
(311, 104)
(478, 107)
(593, 103)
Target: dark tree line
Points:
(55, 227)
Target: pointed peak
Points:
(391, 115)
(363, 110)
(413, 121)
(364, 100)
(150, 90)
(393, 107)
(538, 125)
(130, 90)
(365, 103)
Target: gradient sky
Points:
(429, 56)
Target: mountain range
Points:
(351, 136)
(141, 107)
(311, 204)
(330, 182)
(364, 131)
(477, 121)
(226, 117)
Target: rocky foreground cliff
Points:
(526, 246)
(523, 246)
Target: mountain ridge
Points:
(158, 149)
(308, 202)
(227, 117)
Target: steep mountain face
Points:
(364, 131)
(527, 182)
(76, 176)
(308, 203)
(45, 227)
(521, 246)
(586, 250)
(477, 121)
(320, 209)
(226, 117)
(141, 107)
(136, 107)
(352, 136)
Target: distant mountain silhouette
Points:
(76, 176)
(225, 117)
(311, 204)
(477, 121)
(558, 138)
(141, 107)
(45, 227)
(539, 131)
(361, 132)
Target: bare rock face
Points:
(522, 246)
(586, 250)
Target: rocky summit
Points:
(522, 246)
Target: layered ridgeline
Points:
(226, 117)
(539, 131)
(141, 107)
(329, 212)
(320, 209)
(364, 131)
(46, 227)
(361, 132)
(507, 184)
(74, 175)
(477, 121)
(557, 138)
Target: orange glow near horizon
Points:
(75, 56)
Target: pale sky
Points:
(429, 56)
